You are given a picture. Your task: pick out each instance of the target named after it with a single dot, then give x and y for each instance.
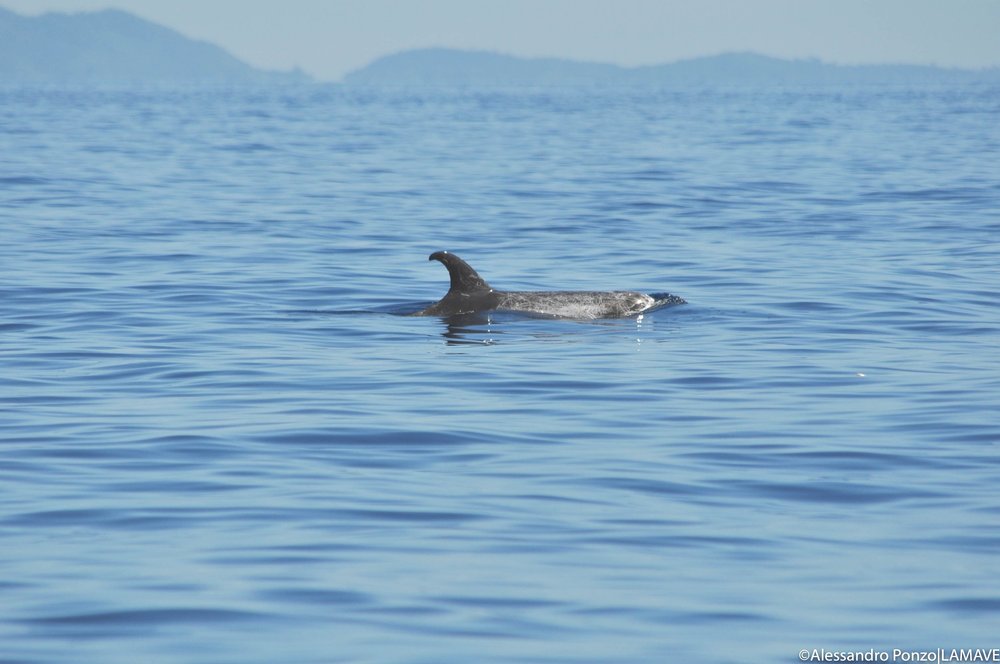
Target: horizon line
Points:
(507, 53)
(810, 59)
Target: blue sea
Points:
(221, 441)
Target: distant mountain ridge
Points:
(453, 67)
(115, 47)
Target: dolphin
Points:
(469, 293)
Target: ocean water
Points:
(220, 440)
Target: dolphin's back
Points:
(576, 304)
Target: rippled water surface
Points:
(222, 443)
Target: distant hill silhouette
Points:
(114, 47)
(450, 67)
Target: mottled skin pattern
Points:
(469, 293)
(577, 304)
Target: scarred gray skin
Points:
(469, 293)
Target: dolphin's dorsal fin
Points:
(463, 278)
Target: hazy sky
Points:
(328, 38)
